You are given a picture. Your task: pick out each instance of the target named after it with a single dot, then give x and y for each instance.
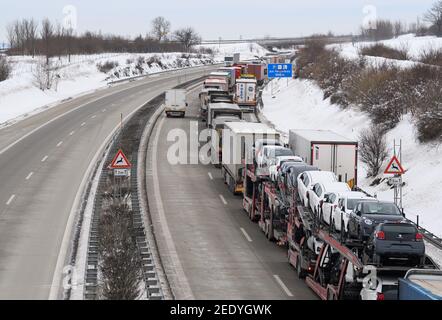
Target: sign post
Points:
(395, 168)
(121, 168)
(279, 71)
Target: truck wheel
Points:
(183, 115)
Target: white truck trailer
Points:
(246, 95)
(238, 139)
(327, 151)
(176, 102)
(232, 59)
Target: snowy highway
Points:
(43, 161)
(209, 247)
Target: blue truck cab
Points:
(421, 284)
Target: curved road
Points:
(43, 160)
(209, 247)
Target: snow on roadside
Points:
(414, 45)
(247, 50)
(19, 96)
(300, 105)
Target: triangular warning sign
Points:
(394, 167)
(120, 161)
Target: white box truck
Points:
(232, 59)
(176, 102)
(327, 151)
(238, 139)
(246, 92)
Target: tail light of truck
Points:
(380, 235)
(380, 297)
(419, 237)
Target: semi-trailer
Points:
(328, 151)
(238, 140)
(246, 95)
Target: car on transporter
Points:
(367, 215)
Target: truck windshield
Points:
(381, 208)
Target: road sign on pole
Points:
(280, 70)
(394, 167)
(120, 161)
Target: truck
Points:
(215, 83)
(207, 95)
(230, 60)
(328, 151)
(421, 284)
(246, 95)
(238, 139)
(222, 109)
(232, 71)
(176, 102)
(258, 70)
(224, 75)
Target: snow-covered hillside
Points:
(415, 46)
(300, 105)
(247, 50)
(19, 95)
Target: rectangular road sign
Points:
(280, 70)
(121, 172)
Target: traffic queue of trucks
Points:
(344, 243)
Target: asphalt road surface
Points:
(209, 247)
(42, 163)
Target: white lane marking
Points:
(93, 117)
(44, 159)
(66, 242)
(72, 133)
(59, 144)
(183, 284)
(29, 175)
(223, 199)
(244, 232)
(10, 200)
(83, 124)
(282, 285)
(210, 176)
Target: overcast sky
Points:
(212, 19)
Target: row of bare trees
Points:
(385, 29)
(29, 37)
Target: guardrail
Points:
(134, 128)
(161, 72)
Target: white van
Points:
(176, 103)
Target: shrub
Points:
(5, 68)
(380, 50)
(428, 113)
(373, 149)
(107, 66)
(431, 56)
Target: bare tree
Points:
(160, 28)
(119, 263)
(47, 35)
(373, 149)
(188, 37)
(434, 16)
(399, 28)
(11, 35)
